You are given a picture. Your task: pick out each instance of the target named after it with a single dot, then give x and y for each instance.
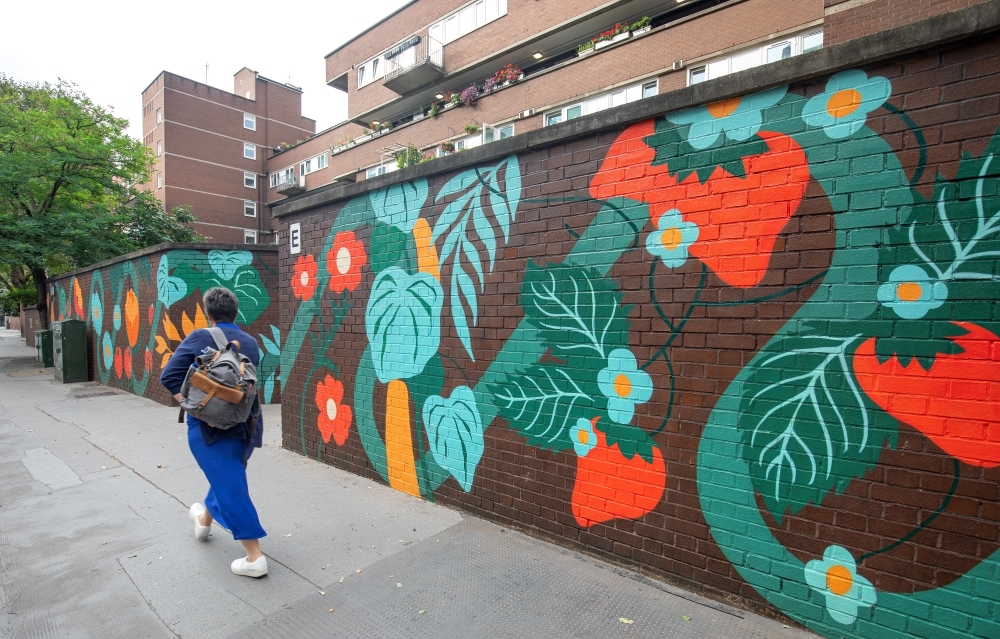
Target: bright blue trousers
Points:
(228, 499)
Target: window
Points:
(375, 69)
(491, 134)
(250, 121)
(159, 180)
(159, 147)
(250, 180)
(286, 174)
(812, 41)
(467, 19)
(381, 169)
(159, 116)
(249, 208)
(249, 237)
(361, 75)
(756, 56)
(600, 102)
(314, 164)
(250, 151)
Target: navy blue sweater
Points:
(195, 344)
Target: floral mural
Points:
(133, 340)
(892, 336)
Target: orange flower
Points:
(334, 418)
(344, 262)
(118, 361)
(78, 300)
(132, 317)
(304, 277)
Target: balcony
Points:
(289, 186)
(413, 65)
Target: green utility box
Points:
(43, 346)
(69, 345)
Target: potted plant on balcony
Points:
(456, 98)
(447, 147)
(468, 95)
(435, 109)
(508, 75)
(617, 33)
(450, 99)
(585, 48)
(471, 128)
(489, 84)
(641, 26)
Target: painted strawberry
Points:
(955, 402)
(609, 486)
(738, 218)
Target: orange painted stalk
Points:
(399, 439)
(427, 257)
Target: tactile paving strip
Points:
(476, 580)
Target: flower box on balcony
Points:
(642, 30)
(586, 51)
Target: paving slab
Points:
(95, 543)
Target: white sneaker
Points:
(200, 532)
(250, 568)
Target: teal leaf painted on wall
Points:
(805, 423)
(226, 263)
(455, 434)
(577, 312)
(487, 201)
(403, 322)
(169, 289)
(544, 401)
(399, 205)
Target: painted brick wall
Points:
(752, 348)
(849, 19)
(139, 307)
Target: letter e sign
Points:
(295, 237)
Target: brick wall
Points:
(849, 19)
(717, 354)
(140, 306)
(29, 323)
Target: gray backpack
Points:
(221, 385)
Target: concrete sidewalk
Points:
(95, 542)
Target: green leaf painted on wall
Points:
(455, 433)
(169, 289)
(225, 263)
(403, 322)
(544, 401)
(399, 205)
(805, 423)
(578, 313)
(388, 244)
(250, 292)
(487, 201)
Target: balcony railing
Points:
(413, 64)
(288, 186)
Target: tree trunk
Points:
(41, 296)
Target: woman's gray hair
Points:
(221, 304)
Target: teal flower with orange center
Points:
(671, 239)
(583, 436)
(844, 107)
(911, 293)
(116, 317)
(738, 118)
(96, 311)
(624, 385)
(836, 577)
(107, 350)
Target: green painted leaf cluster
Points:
(682, 159)
(403, 322)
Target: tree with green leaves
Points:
(69, 176)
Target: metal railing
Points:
(415, 51)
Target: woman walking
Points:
(222, 454)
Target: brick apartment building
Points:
(212, 146)
(231, 155)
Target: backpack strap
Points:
(220, 338)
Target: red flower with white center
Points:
(344, 262)
(334, 417)
(304, 277)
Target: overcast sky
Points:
(113, 49)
